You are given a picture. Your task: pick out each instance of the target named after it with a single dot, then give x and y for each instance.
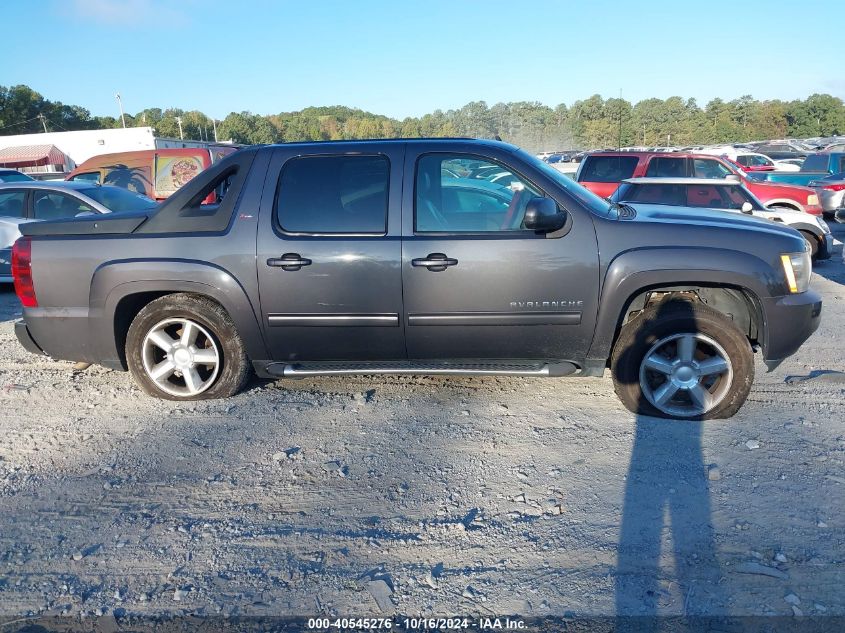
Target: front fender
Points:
(116, 280)
(634, 271)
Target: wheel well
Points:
(738, 304)
(125, 312)
(785, 205)
(129, 307)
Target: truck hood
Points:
(663, 214)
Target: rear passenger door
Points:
(329, 254)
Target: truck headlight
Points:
(813, 200)
(797, 268)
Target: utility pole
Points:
(120, 104)
(43, 122)
(214, 123)
(179, 122)
(620, 119)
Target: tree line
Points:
(590, 123)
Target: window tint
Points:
(608, 168)
(709, 168)
(334, 194)
(745, 160)
(91, 176)
(50, 205)
(11, 204)
(841, 163)
(471, 203)
(665, 167)
(700, 196)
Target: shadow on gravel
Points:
(666, 495)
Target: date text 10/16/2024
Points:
(417, 624)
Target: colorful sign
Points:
(173, 172)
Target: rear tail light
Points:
(22, 272)
(834, 187)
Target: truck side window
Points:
(461, 194)
(665, 167)
(334, 194)
(709, 168)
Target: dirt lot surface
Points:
(430, 496)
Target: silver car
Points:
(33, 201)
(831, 192)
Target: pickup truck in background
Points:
(815, 167)
(393, 257)
(601, 173)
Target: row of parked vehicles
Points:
(602, 172)
(433, 256)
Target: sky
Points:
(407, 58)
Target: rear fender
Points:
(109, 287)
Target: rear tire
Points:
(649, 362)
(186, 347)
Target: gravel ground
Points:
(431, 496)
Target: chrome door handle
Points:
(289, 261)
(435, 262)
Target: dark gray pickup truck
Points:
(431, 256)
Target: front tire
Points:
(813, 241)
(682, 359)
(186, 347)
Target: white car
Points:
(723, 195)
(32, 201)
(789, 164)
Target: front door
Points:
(329, 253)
(477, 284)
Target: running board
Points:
(305, 370)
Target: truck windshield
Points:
(116, 199)
(594, 203)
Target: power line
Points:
(35, 118)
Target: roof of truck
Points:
(413, 141)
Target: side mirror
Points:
(542, 214)
(747, 207)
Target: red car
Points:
(601, 173)
(752, 162)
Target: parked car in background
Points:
(601, 173)
(814, 167)
(550, 281)
(724, 195)
(29, 201)
(831, 191)
(789, 164)
(156, 174)
(13, 175)
(784, 149)
(752, 162)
